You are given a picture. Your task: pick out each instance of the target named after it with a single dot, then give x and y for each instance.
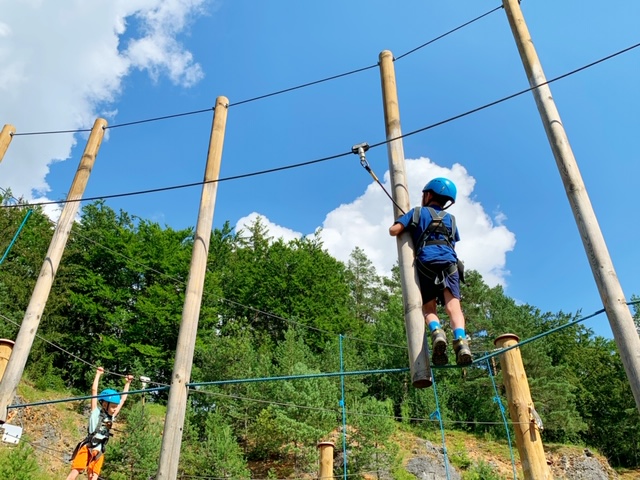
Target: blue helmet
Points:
(442, 186)
(109, 395)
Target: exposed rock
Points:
(581, 467)
(431, 465)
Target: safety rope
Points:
(498, 400)
(436, 414)
(15, 237)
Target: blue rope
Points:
(497, 400)
(85, 397)
(15, 237)
(437, 415)
(344, 414)
(297, 377)
(500, 351)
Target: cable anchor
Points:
(360, 150)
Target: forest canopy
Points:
(274, 308)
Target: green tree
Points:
(366, 287)
(214, 452)
(19, 463)
(121, 279)
(606, 403)
(234, 352)
(136, 455)
(370, 446)
(301, 411)
(272, 283)
(22, 263)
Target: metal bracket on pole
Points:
(145, 381)
(359, 150)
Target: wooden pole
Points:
(5, 353)
(177, 402)
(618, 313)
(40, 294)
(326, 460)
(534, 463)
(413, 318)
(6, 135)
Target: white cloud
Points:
(63, 65)
(275, 231)
(364, 223)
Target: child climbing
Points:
(89, 453)
(435, 234)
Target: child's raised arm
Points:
(124, 395)
(94, 387)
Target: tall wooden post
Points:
(618, 313)
(5, 139)
(40, 294)
(326, 460)
(534, 463)
(177, 402)
(413, 318)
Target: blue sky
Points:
(68, 62)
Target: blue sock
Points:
(458, 333)
(434, 325)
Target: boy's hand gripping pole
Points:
(360, 150)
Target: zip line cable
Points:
(239, 397)
(58, 347)
(332, 157)
(181, 282)
(311, 376)
(231, 302)
(476, 361)
(164, 117)
(448, 33)
(350, 412)
(509, 97)
(63, 350)
(242, 102)
(186, 185)
(268, 95)
(299, 324)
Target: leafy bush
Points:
(481, 471)
(19, 463)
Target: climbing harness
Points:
(98, 438)
(435, 226)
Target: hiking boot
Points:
(439, 347)
(463, 352)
